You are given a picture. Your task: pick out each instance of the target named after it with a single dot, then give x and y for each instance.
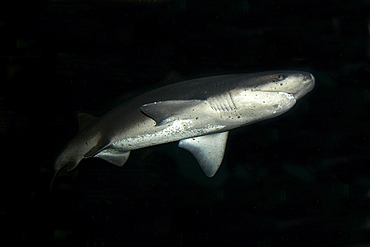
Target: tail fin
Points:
(77, 149)
(67, 159)
(63, 161)
(53, 178)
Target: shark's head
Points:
(296, 83)
(265, 95)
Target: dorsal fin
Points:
(164, 112)
(85, 119)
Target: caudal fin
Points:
(63, 164)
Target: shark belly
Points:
(195, 135)
(206, 143)
(174, 131)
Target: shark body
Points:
(198, 113)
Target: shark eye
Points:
(279, 78)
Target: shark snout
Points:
(308, 83)
(296, 83)
(309, 77)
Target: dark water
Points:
(302, 179)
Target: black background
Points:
(302, 179)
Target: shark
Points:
(198, 113)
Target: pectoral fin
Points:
(208, 150)
(163, 112)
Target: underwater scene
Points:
(234, 123)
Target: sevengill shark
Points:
(198, 113)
